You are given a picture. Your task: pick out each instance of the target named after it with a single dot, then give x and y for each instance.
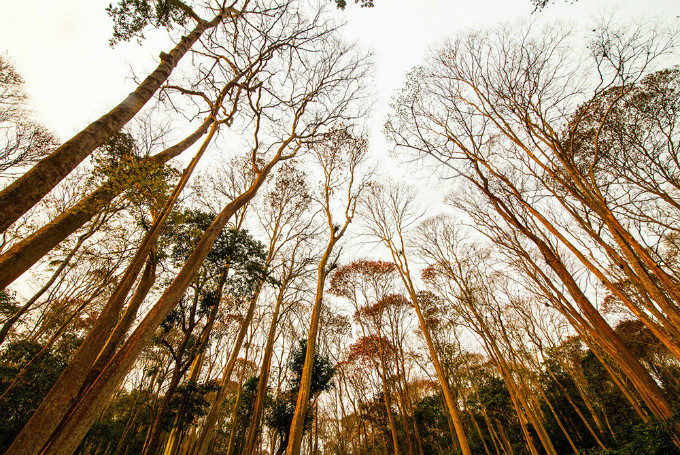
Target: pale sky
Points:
(73, 76)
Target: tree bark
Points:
(297, 425)
(64, 394)
(94, 401)
(27, 190)
(206, 435)
(7, 326)
(402, 266)
(21, 256)
(254, 428)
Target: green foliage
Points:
(126, 408)
(132, 17)
(244, 412)
(432, 423)
(322, 370)
(121, 165)
(233, 249)
(364, 3)
(651, 438)
(192, 397)
(23, 400)
(8, 303)
(280, 413)
(495, 399)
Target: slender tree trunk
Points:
(234, 414)
(649, 390)
(258, 408)
(128, 427)
(479, 432)
(151, 443)
(387, 397)
(578, 411)
(95, 399)
(297, 425)
(448, 396)
(27, 190)
(56, 406)
(21, 256)
(559, 421)
(402, 403)
(208, 430)
(175, 436)
(7, 326)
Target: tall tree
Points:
(340, 156)
(26, 191)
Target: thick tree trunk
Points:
(145, 284)
(64, 394)
(30, 188)
(106, 384)
(21, 256)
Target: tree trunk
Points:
(56, 406)
(649, 390)
(21, 256)
(27, 190)
(297, 425)
(254, 428)
(7, 326)
(448, 396)
(234, 414)
(175, 436)
(95, 399)
(208, 430)
(151, 443)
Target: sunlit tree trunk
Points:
(7, 326)
(21, 256)
(63, 395)
(208, 430)
(174, 438)
(296, 427)
(96, 397)
(258, 407)
(234, 414)
(26, 191)
(339, 144)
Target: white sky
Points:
(61, 47)
(73, 76)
